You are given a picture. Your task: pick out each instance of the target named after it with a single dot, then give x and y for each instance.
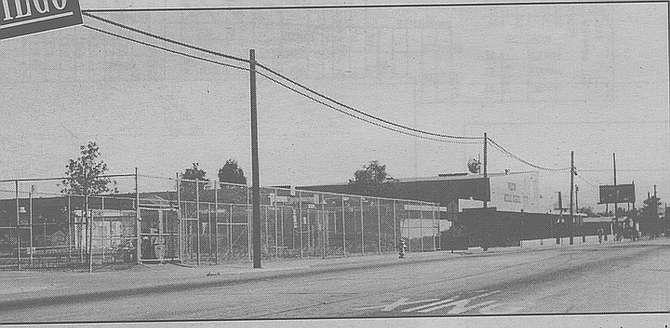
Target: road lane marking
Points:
(427, 305)
(457, 305)
(396, 304)
(460, 306)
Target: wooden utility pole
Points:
(255, 187)
(616, 205)
(572, 190)
(486, 139)
(487, 237)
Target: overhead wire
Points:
(362, 112)
(175, 42)
(506, 152)
(164, 49)
(277, 82)
(587, 181)
(625, 170)
(371, 119)
(362, 118)
(123, 26)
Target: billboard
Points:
(623, 193)
(23, 17)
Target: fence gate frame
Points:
(159, 239)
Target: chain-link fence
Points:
(198, 222)
(298, 223)
(42, 227)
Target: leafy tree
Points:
(187, 188)
(85, 173)
(373, 180)
(194, 173)
(373, 173)
(232, 172)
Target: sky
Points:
(541, 81)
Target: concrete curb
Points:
(217, 280)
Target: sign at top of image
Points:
(23, 17)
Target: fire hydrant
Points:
(403, 247)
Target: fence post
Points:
(276, 234)
(18, 224)
(324, 225)
(209, 237)
(69, 230)
(230, 232)
(408, 213)
(362, 228)
(344, 230)
(197, 216)
(379, 224)
(138, 218)
(421, 225)
(102, 232)
(281, 225)
(300, 220)
(181, 238)
(395, 227)
(216, 221)
(89, 220)
(438, 228)
(267, 236)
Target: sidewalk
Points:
(29, 288)
(32, 288)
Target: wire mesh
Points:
(41, 225)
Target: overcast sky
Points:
(540, 80)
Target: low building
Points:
(512, 192)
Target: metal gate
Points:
(159, 233)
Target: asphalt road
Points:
(608, 278)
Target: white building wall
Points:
(513, 192)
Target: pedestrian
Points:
(403, 246)
(601, 232)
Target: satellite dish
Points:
(474, 165)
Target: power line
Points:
(587, 181)
(126, 27)
(361, 118)
(275, 73)
(275, 81)
(364, 113)
(505, 151)
(165, 49)
(623, 170)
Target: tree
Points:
(192, 174)
(373, 173)
(232, 172)
(373, 180)
(85, 173)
